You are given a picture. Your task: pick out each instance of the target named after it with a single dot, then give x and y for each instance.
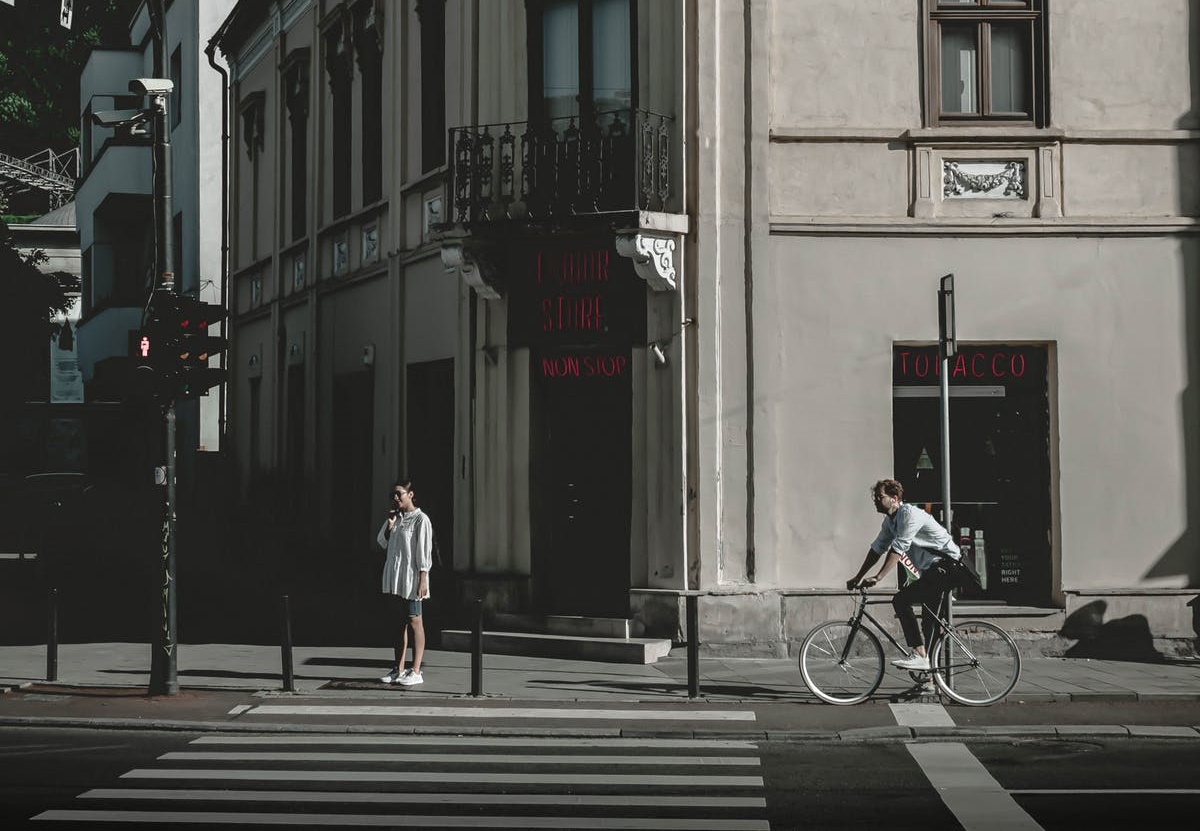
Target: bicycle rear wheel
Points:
(975, 663)
(835, 679)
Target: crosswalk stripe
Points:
(971, 793)
(456, 758)
(431, 798)
(921, 715)
(476, 741)
(400, 711)
(448, 777)
(406, 821)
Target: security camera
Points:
(151, 86)
(118, 118)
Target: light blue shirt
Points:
(916, 537)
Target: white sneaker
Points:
(914, 662)
(409, 678)
(392, 677)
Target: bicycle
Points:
(972, 662)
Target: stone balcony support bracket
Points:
(473, 267)
(653, 257)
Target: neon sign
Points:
(1003, 364)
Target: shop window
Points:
(986, 62)
(999, 459)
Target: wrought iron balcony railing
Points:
(620, 161)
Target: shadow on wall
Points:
(1124, 639)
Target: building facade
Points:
(644, 296)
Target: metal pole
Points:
(477, 651)
(692, 606)
(163, 676)
(947, 346)
(285, 646)
(52, 635)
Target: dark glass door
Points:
(581, 481)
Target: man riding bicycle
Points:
(911, 537)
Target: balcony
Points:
(551, 172)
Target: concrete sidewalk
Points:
(448, 674)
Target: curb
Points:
(864, 735)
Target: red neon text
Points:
(584, 366)
(996, 366)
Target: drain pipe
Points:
(222, 401)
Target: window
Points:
(987, 62)
(368, 39)
(295, 83)
(341, 74)
(581, 61)
(432, 15)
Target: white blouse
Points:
(409, 552)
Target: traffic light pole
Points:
(163, 676)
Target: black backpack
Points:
(964, 574)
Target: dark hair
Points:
(404, 482)
(889, 486)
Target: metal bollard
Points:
(52, 635)
(285, 646)
(477, 651)
(692, 603)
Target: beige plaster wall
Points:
(852, 63)
(1114, 310)
(1121, 65)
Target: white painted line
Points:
(475, 741)
(408, 821)
(433, 798)
(239, 709)
(1117, 791)
(499, 712)
(921, 715)
(975, 798)
(411, 776)
(455, 758)
(13, 555)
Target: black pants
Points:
(929, 590)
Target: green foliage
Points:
(40, 64)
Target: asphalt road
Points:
(81, 778)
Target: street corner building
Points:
(643, 295)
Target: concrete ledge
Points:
(1074, 730)
(1156, 731)
(868, 733)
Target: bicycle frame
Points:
(856, 619)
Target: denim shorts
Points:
(412, 608)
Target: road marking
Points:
(401, 711)
(478, 741)
(239, 709)
(432, 798)
(1102, 792)
(921, 715)
(411, 776)
(455, 758)
(407, 821)
(976, 799)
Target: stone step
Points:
(571, 647)
(574, 625)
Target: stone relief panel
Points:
(963, 179)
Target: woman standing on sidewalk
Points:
(407, 536)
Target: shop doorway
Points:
(581, 471)
(999, 459)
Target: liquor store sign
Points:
(580, 305)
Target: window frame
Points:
(534, 18)
(983, 14)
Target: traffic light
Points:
(196, 347)
(172, 349)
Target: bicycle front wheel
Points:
(975, 663)
(837, 669)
